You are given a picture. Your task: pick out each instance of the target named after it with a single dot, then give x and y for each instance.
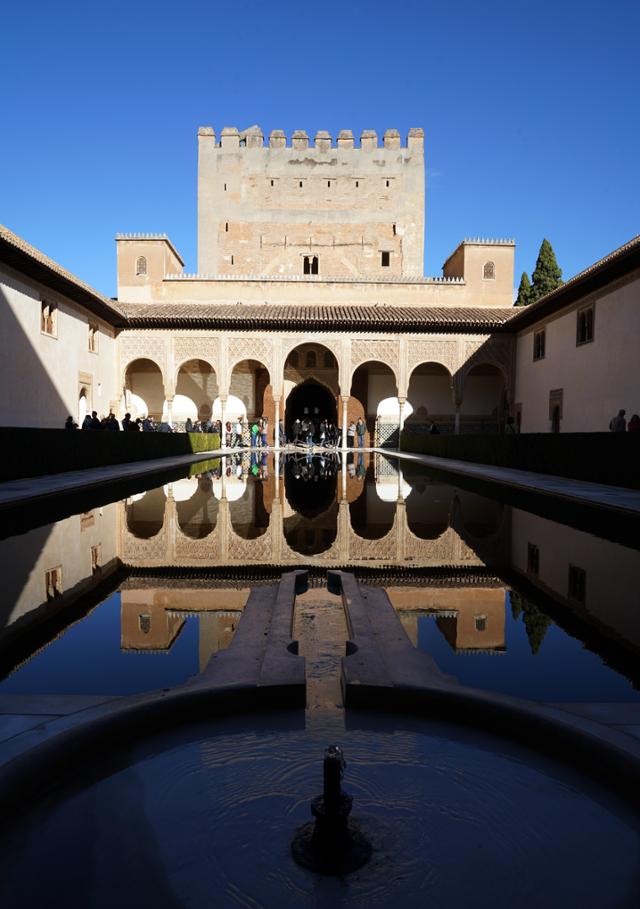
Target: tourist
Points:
(70, 424)
(351, 434)
(283, 436)
(188, 425)
(126, 422)
(164, 427)
(228, 434)
(255, 430)
(634, 424)
(112, 424)
(510, 427)
(95, 422)
(296, 429)
(238, 433)
(148, 425)
(264, 429)
(361, 428)
(618, 424)
(433, 429)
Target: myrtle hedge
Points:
(599, 457)
(30, 452)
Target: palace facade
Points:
(310, 298)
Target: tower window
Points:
(144, 622)
(232, 260)
(357, 183)
(225, 187)
(393, 227)
(385, 259)
(272, 182)
(489, 271)
(141, 265)
(328, 182)
(480, 622)
(387, 183)
(226, 227)
(300, 184)
(310, 265)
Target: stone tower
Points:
(327, 209)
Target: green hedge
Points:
(35, 452)
(600, 457)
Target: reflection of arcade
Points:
(310, 485)
(152, 619)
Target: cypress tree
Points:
(524, 291)
(547, 274)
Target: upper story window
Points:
(293, 359)
(49, 318)
(539, 341)
(141, 265)
(480, 622)
(93, 338)
(311, 359)
(584, 326)
(53, 582)
(489, 271)
(310, 265)
(385, 259)
(328, 360)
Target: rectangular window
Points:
(49, 318)
(357, 183)
(480, 622)
(53, 582)
(385, 259)
(93, 338)
(539, 339)
(577, 584)
(584, 326)
(387, 182)
(226, 227)
(555, 408)
(533, 558)
(232, 260)
(225, 187)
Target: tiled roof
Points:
(19, 254)
(615, 265)
(315, 317)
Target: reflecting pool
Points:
(139, 593)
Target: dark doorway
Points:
(310, 400)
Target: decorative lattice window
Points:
(489, 271)
(49, 318)
(141, 265)
(584, 326)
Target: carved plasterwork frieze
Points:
(432, 351)
(197, 348)
(496, 351)
(385, 351)
(260, 349)
(143, 346)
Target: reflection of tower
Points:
(216, 629)
(145, 623)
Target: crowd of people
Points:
(111, 424)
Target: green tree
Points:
(547, 275)
(516, 604)
(524, 291)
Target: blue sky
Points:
(530, 111)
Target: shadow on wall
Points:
(30, 397)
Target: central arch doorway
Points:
(310, 400)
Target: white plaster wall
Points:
(381, 386)
(597, 378)
(481, 395)
(432, 392)
(39, 374)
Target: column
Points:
(456, 425)
(223, 420)
(343, 465)
(401, 403)
(169, 401)
(345, 405)
(276, 430)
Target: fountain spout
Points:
(333, 843)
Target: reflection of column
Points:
(276, 431)
(171, 520)
(276, 530)
(224, 523)
(456, 425)
(277, 466)
(345, 404)
(344, 474)
(400, 482)
(344, 524)
(223, 479)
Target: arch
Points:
(248, 514)
(141, 266)
(310, 400)
(484, 397)
(430, 393)
(84, 406)
(196, 388)
(144, 388)
(371, 517)
(250, 382)
(310, 486)
(372, 382)
(429, 508)
(489, 271)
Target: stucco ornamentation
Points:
(186, 349)
(432, 351)
(260, 349)
(143, 347)
(497, 351)
(385, 351)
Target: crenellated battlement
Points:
(231, 138)
(315, 279)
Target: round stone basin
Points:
(204, 816)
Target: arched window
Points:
(328, 359)
(489, 271)
(141, 265)
(310, 265)
(311, 359)
(293, 359)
